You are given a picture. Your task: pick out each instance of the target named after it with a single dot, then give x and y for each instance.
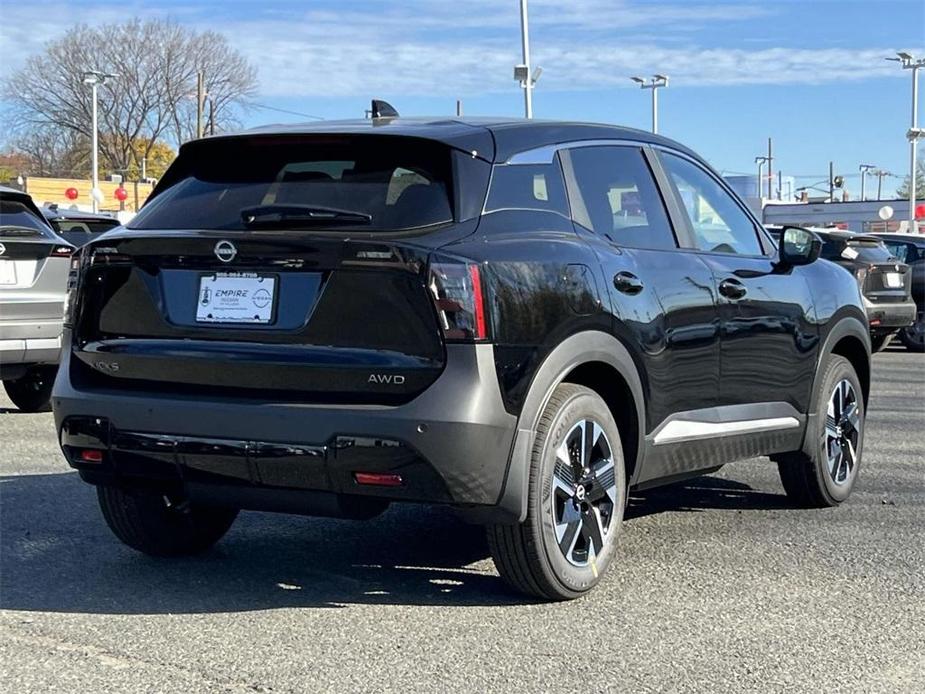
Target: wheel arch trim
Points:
(580, 348)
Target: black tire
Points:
(148, 523)
(32, 392)
(913, 337)
(808, 475)
(528, 555)
(880, 342)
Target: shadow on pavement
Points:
(57, 555)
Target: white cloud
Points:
(463, 48)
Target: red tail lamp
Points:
(91, 455)
(379, 479)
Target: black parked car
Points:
(78, 227)
(910, 249)
(885, 282)
(522, 320)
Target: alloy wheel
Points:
(584, 492)
(842, 432)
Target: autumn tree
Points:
(150, 104)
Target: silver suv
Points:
(34, 265)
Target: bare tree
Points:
(152, 100)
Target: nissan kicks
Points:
(522, 320)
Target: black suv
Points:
(522, 320)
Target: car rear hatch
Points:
(264, 300)
(883, 279)
(33, 266)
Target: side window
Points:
(527, 187)
(618, 197)
(899, 250)
(719, 224)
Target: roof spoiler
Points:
(382, 109)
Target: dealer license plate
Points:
(236, 297)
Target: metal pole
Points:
(525, 39)
(654, 109)
(459, 109)
(199, 102)
(95, 170)
(912, 148)
(863, 179)
(770, 171)
(880, 175)
(780, 184)
(831, 182)
(758, 182)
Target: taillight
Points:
(62, 251)
(861, 275)
(459, 297)
(73, 284)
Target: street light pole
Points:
(522, 72)
(525, 41)
(760, 161)
(95, 78)
(656, 83)
(864, 169)
(910, 62)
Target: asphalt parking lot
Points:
(722, 587)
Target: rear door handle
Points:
(627, 283)
(732, 289)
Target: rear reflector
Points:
(380, 479)
(91, 455)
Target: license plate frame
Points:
(7, 273)
(220, 301)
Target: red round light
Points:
(920, 211)
(71, 193)
(121, 194)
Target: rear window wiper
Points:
(272, 215)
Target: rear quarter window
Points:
(527, 187)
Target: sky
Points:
(809, 74)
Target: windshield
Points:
(14, 216)
(372, 183)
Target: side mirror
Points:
(798, 246)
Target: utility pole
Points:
(864, 169)
(880, 174)
(780, 184)
(200, 101)
(770, 169)
(459, 109)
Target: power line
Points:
(283, 110)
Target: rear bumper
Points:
(890, 315)
(449, 445)
(30, 342)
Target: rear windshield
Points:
(87, 226)
(18, 220)
(370, 183)
(861, 250)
